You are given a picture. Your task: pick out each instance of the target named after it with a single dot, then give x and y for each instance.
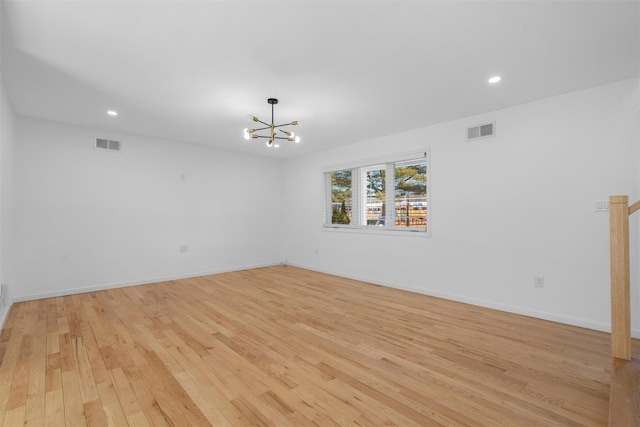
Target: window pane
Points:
(341, 197)
(375, 197)
(411, 195)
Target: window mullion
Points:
(390, 195)
(362, 195)
(355, 205)
(328, 210)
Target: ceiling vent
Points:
(107, 144)
(481, 131)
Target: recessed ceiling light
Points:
(495, 79)
(112, 113)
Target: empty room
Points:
(320, 213)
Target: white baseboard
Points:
(102, 287)
(559, 318)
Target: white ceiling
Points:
(192, 70)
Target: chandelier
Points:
(273, 129)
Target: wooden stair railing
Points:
(619, 211)
(624, 394)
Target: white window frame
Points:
(359, 192)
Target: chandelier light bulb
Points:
(247, 135)
(296, 139)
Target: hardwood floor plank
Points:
(201, 398)
(5, 390)
(148, 403)
(214, 389)
(12, 344)
(111, 405)
(282, 346)
(54, 408)
(94, 414)
(171, 397)
(88, 388)
(15, 416)
(54, 398)
(34, 411)
(73, 408)
(624, 405)
(126, 396)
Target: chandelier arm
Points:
(268, 137)
(267, 127)
(260, 121)
(286, 124)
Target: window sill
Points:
(378, 230)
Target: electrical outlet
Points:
(184, 249)
(317, 252)
(539, 281)
(602, 206)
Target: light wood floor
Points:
(282, 346)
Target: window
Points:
(341, 197)
(388, 195)
(375, 198)
(410, 195)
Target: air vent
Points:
(107, 144)
(481, 131)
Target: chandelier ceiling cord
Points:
(273, 129)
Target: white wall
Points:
(7, 141)
(90, 219)
(503, 210)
